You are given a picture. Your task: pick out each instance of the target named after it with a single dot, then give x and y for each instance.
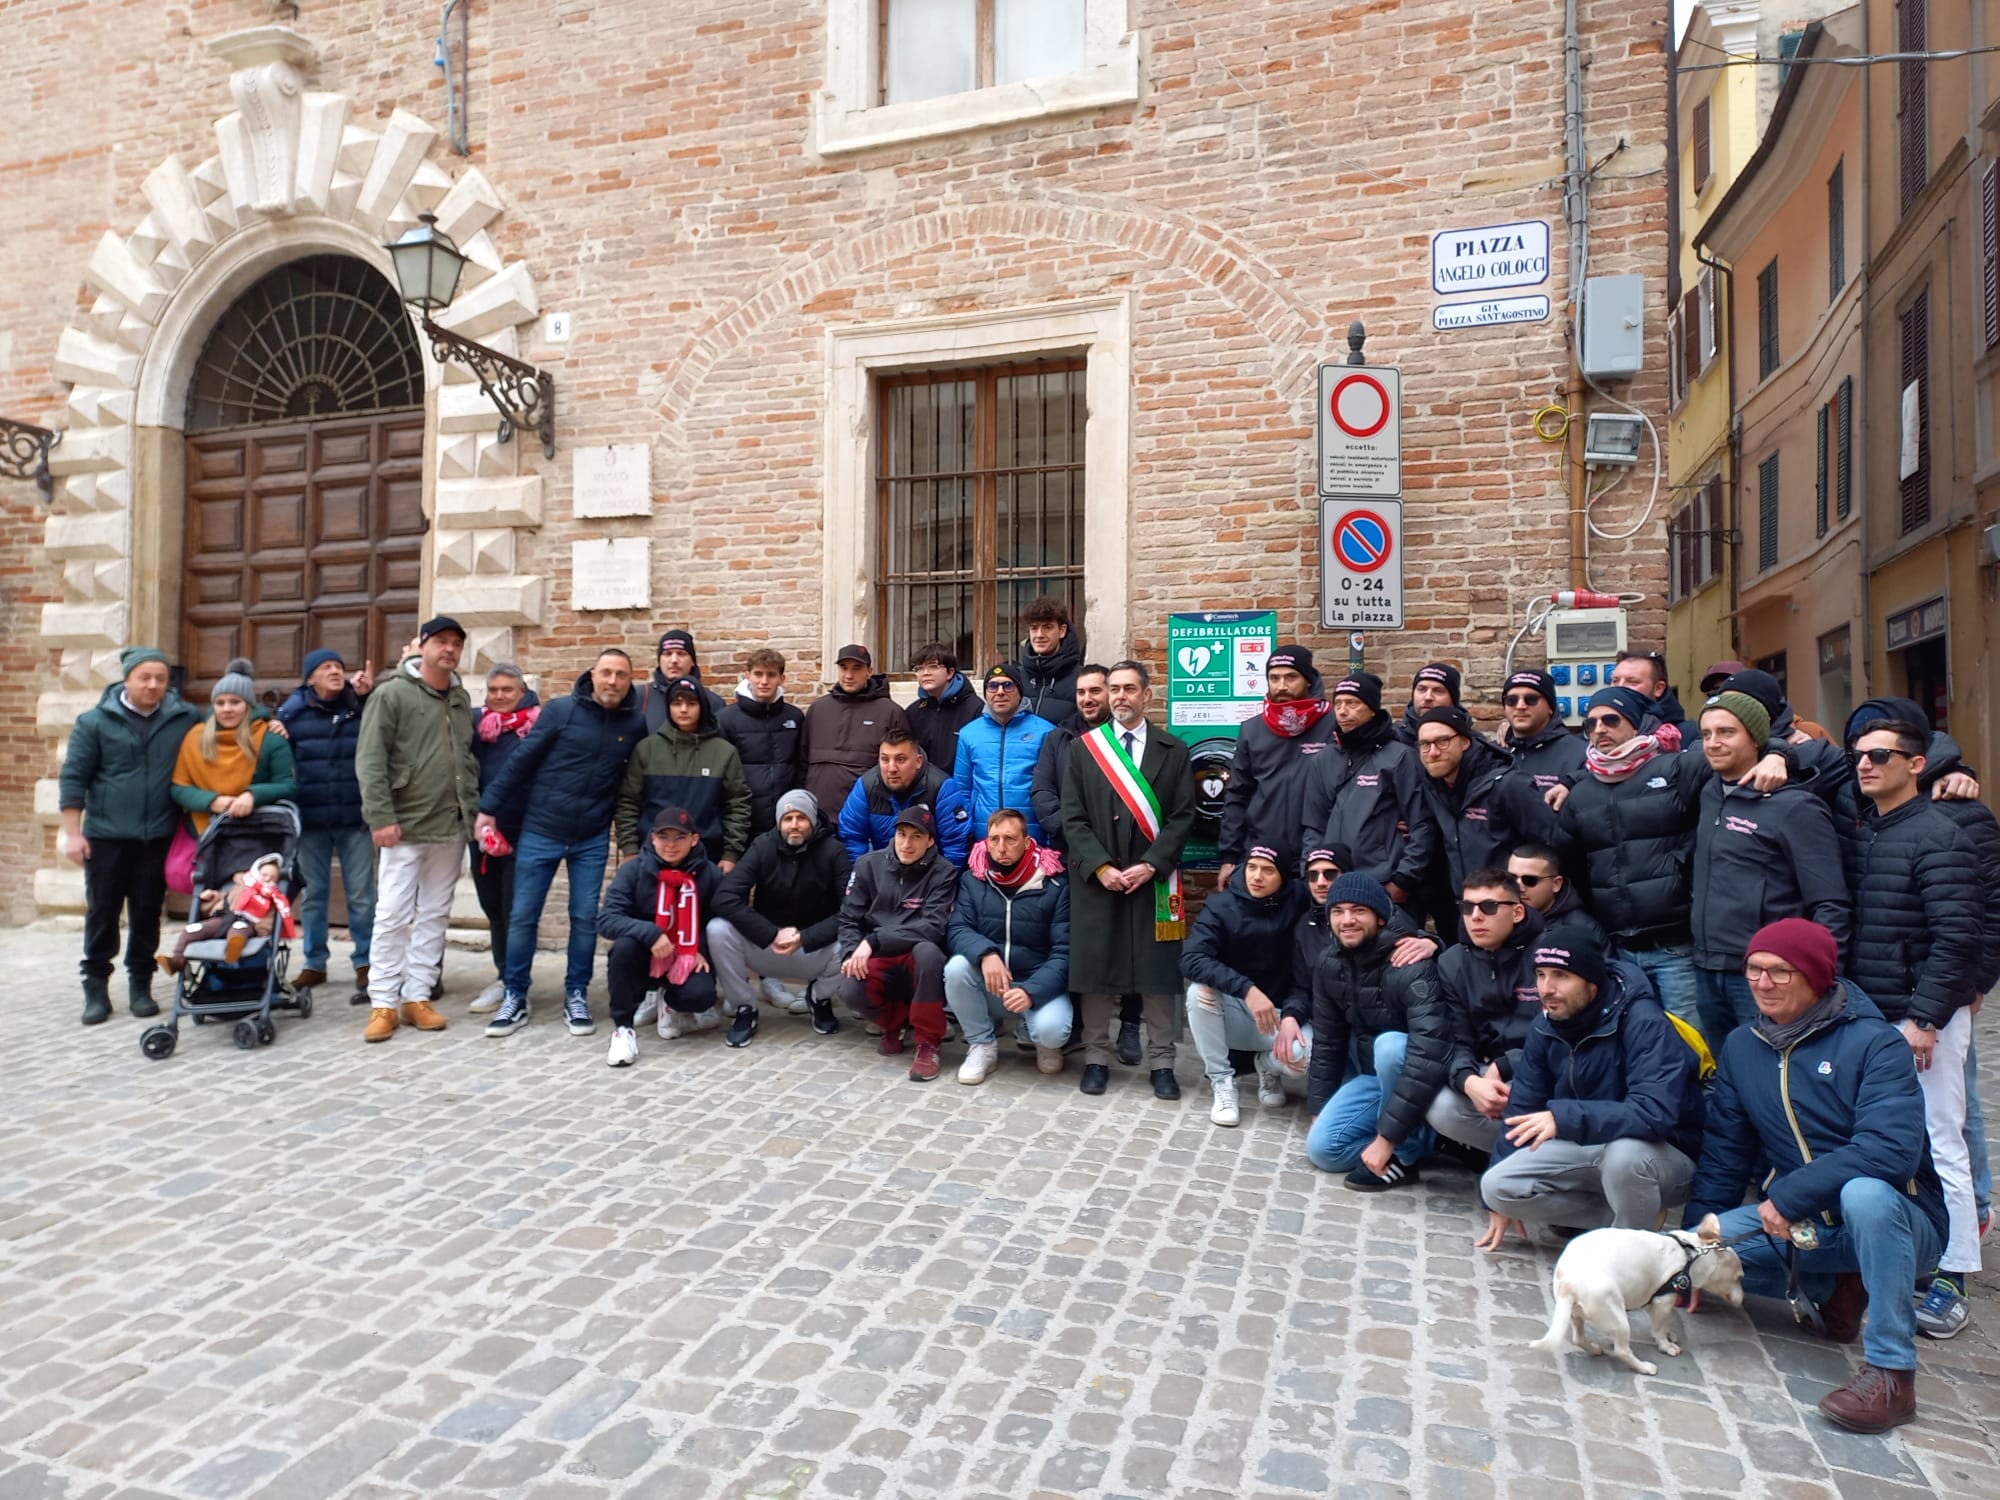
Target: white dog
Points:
(1602, 1274)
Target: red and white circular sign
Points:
(1359, 405)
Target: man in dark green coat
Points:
(1128, 807)
(118, 816)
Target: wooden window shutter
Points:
(1711, 317)
(1704, 149)
(1836, 230)
(1717, 525)
(1843, 449)
(1767, 514)
(1767, 320)
(1820, 469)
(1916, 367)
(1912, 103)
(1989, 266)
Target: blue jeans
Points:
(978, 1010)
(1882, 1234)
(1975, 1135)
(535, 862)
(1723, 999)
(1671, 973)
(1347, 1124)
(356, 849)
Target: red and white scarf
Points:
(678, 915)
(493, 723)
(1036, 860)
(1619, 762)
(1293, 719)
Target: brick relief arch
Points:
(294, 174)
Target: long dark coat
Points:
(1111, 942)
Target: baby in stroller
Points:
(254, 905)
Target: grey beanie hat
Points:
(800, 801)
(238, 680)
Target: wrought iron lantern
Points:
(428, 266)
(24, 453)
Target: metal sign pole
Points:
(1357, 642)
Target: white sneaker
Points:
(1049, 1059)
(649, 1009)
(1224, 1111)
(624, 1047)
(672, 1024)
(701, 1020)
(488, 999)
(979, 1062)
(1270, 1090)
(778, 995)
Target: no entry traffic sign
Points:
(1360, 430)
(1361, 564)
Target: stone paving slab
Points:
(446, 1266)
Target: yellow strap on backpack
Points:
(1704, 1059)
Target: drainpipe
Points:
(1866, 687)
(1576, 218)
(1733, 490)
(1673, 163)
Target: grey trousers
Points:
(734, 957)
(1624, 1184)
(1452, 1116)
(1100, 1009)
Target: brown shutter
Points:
(1704, 155)
(1916, 366)
(1912, 103)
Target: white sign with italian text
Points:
(611, 573)
(615, 480)
(1490, 256)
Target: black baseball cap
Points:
(853, 653)
(439, 626)
(675, 820)
(919, 818)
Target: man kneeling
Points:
(653, 915)
(1009, 941)
(1604, 1108)
(1823, 1089)
(891, 927)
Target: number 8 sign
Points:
(1361, 564)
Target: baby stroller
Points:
(210, 988)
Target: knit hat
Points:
(1266, 853)
(1300, 660)
(1746, 710)
(918, 817)
(317, 659)
(1806, 946)
(1006, 672)
(1718, 673)
(677, 638)
(134, 657)
(1629, 705)
(238, 680)
(1363, 685)
(1540, 684)
(1341, 857)
(1440, 671)
(1456, 717)
(1572, 946)
(1360, 890)
(1760, 685)
(799, 800)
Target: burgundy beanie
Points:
(1806, 946)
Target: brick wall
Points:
(1279, 176)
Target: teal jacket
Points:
(119, 767)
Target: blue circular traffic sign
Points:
(1361, 541)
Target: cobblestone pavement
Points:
(452, 1266)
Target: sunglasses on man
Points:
(1521, 700)
(1603, 721)
(1486, 908)
(1881, 755)
(1529, 882)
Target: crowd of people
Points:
(1650, 969)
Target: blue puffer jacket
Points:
(570, 764)
(996, 767)
(324, 732)
(868, 817)
(1029, 929)
(492, 756)
(1627, 1076)
(1847, 1089)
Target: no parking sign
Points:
(1361, 564)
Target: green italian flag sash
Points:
(1169, 909)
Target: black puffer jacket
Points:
(1917, 944)
(766, 737)
(1045, 795)
(1367, 794)
(1358, 996)
(1489, 810)
(1241, 941)
(896, 906)
(1051, 686)
(1491, 1000)
(936, 721)
(1549, 758)
(843, 738)
(1311, 937)
(1269, 775)
(776, 885)
(631, 907)
(1631, 842)
(1759, 857)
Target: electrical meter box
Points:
(1583, 647)
(1614, 327)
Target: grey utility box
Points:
(1614, 327)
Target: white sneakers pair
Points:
(1226, 1112)
(678, 1023)
(982, 1060)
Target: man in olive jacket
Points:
(419, 797)
(116, 795)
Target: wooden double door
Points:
(300, 537)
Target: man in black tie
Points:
(1128, 807)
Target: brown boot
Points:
(1874, 1400)
(381, 1024)
(309, 979)
(232, 946)
(418, 1013)
(1843, 1311)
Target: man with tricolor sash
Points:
(1127, 808)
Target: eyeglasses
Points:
(1322, 877)
(1772, 974)
(1521, 700)
(1881, 755)
(1486, 908)
(1529, 882)
(1603, 721)
(1003, 686)
(1435, 747)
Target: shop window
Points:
(981, 501)
(1836, 676)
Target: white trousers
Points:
(1944, 1112)
(413, 889)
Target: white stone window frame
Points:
(847, 117)
(1099, 329)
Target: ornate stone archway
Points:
(293, 174)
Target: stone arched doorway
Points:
(304, 448)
